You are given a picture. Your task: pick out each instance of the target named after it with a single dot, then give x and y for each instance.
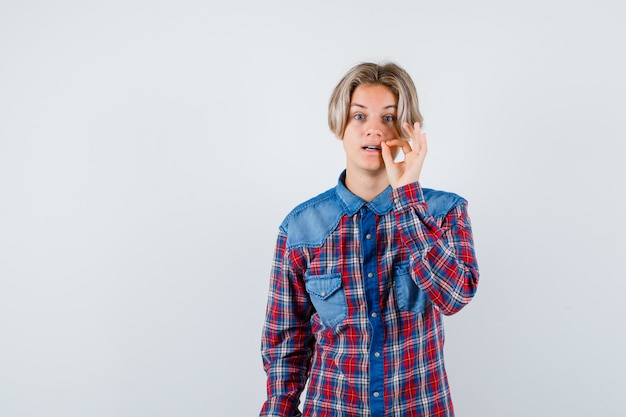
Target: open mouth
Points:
(372, 148)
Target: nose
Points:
(374, 129)
(374, 133)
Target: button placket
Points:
(367, 227)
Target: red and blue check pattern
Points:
(384, 356)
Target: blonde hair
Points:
(389, 75)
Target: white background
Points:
(149, 150)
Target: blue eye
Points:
(389, 118)
(359, 116)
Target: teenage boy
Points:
(363, 273)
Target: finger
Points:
(399, 143)
(387, 154)
(420, 137)
(422, 143)
(409, 129)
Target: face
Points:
(372, 120)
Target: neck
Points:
(367, 187)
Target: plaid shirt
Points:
(357, 293)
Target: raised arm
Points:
(443, 262)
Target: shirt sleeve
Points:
(443, 260)
(287, 341)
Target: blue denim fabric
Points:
(410, 297)
(328, 297)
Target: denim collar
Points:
(352, 203)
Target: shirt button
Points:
(323, 294)
(370, 275)
(368, 236)
(374, 314)
(377, 354)
(376, 394)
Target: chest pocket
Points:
(328, 297)
(410, 297)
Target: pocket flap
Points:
(323, 286)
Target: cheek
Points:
(391, 131)
(351, 132)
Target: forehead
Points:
(373, 96)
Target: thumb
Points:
(387, 156)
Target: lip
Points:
(372, 147)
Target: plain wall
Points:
(150, 149)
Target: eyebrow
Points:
(391, 106)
